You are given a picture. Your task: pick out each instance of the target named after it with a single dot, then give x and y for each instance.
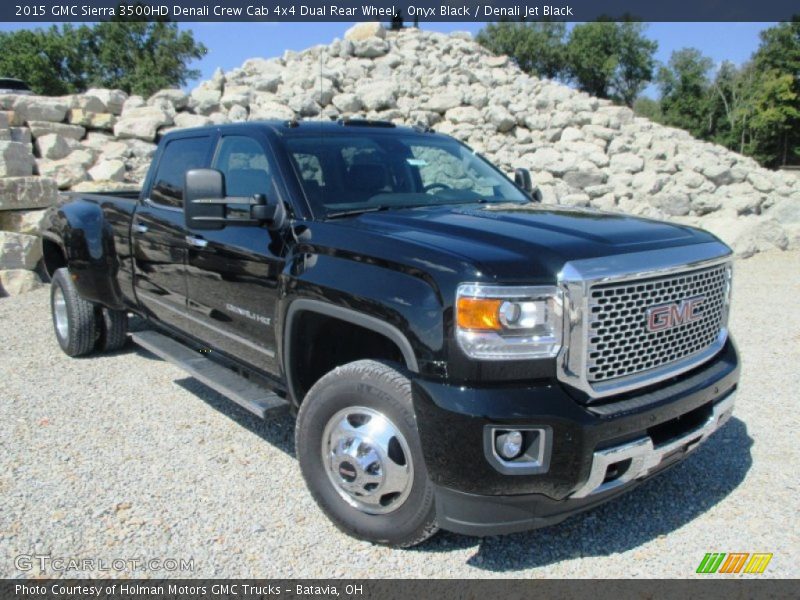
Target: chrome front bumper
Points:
(644, 456)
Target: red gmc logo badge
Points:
(672, 314)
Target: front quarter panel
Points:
(404, 301)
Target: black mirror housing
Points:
(207, 207)
(522, 177)
(204, 185)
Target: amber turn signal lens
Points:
(478, 313)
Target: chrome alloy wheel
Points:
(367, 460)
(60, 313)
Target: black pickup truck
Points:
(459, 355)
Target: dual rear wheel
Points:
(81, 326)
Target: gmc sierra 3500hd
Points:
(459, 355)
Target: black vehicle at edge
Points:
(459, 355)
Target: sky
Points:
(230, 44)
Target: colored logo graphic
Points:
(734, 562)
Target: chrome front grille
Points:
(619, 343)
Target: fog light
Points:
(509, 444)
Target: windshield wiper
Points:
(450, 202)
(356, 211)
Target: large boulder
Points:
(142, 123)
(22, 221)
(39, 108)
(500, 117)
(673, 203)
(19, 250)
(112, 100)
(237, 113)
(747, 235)
(370, 48)
(265, 107)
(186, 120)
(235, 95)
(786, 210)
(24, 193)
(204, 100)
(21, 135)
(347, 103)
(108, 170)
(40, 128)
(177, 98)
(70, 170)
(54, 146)
(18, 281)
(626, 162)
(463, 114)
(88, 103)
(586, 177)
(92, 120)
(364, 31)
(378, 95)
(443, 101)
(16, 159)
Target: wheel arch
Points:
(54, 256)
(342, 314)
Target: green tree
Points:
(636, 62)
(52, 61)
(685, 85)
(611, 59)
(648, 108)
(143, 57)
(776, 118)
(730, 105)
(592, 57)
(780, 48)
(138, 57)
(537, 48)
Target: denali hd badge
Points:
(249, 314)
(672, 314)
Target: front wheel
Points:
(359, 451)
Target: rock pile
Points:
(581, 151)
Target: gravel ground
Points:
(123, 456)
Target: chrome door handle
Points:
(196, 242)
(139, 228)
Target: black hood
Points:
(518, 242)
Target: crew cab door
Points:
(158, 231)
(232, 273)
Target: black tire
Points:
(79, 336)
(113, 329)
(384, 388)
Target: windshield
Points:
(343, 174)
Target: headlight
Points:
(505, 322)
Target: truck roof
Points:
(287, 128)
